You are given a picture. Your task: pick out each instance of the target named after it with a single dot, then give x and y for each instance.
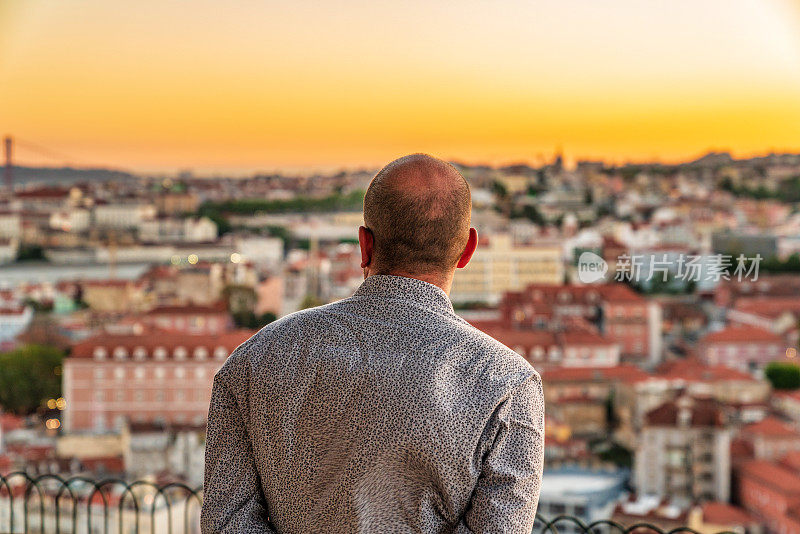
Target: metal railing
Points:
(76, 505)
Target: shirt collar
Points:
(389, 286)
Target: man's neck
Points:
(442, 281)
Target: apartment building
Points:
(684, 452)
(152, 376)
(500, 265)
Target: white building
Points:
(587, 495)
(13, 321)
(684, 452)
(177, 230)
(10, 225)
(123, 216)
(70, 220)
(500, 265)
(267, 250)
(8, 250)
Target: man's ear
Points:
(365, 241)
(469, 250)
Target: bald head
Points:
(418, 210)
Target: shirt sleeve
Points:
(507, 493)
(233, 501)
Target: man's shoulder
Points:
(279, 329)
(492, 358)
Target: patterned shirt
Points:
(382, 412)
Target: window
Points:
(160, 372)
(201, 353)
(180, 372)
(220, 353)
(138, 396)
(180, 353)
(119, 373)
(139, 353)
(160, 353)
(100, 353)
(120, 353)
(99, 373)
(139, 373)
(180, 395)
(200, 373)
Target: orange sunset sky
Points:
(247, 85)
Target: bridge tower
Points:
(8, 173)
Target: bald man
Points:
(383, 412)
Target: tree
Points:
(783, 375)
(248, 319)
(311, 301)
(29, 376)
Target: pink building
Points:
(770, 490)
(619, 314)
(575, 347)
(771, 438)
(746, 348)
(152, 376)
(191, 319)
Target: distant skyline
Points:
(162, 86)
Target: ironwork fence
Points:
(77, 505)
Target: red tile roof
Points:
(193, 309)
(693, 370)
(512, 337)
(583, 337)
(43, 192)
(620, 373)
(721, 513)
(768, 307)
(743, 334)
(770, 426)
(772, 474)
(153, 339)
(792, 461)
(704, 413)
(741, 449)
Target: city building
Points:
(10, 225)
(500, 265)
(587, 495)
(684, 452)
(770, 490)
(742, 398)
(164, 229)
(113, 296)
(176, 203)
(543, 348)
(619, 314)
(746, 348)
(122, 215)
(771, 438)
(149, 376)
(579, 396)
(192, 319)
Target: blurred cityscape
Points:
(670, 399)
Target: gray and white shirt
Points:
(382, 412)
